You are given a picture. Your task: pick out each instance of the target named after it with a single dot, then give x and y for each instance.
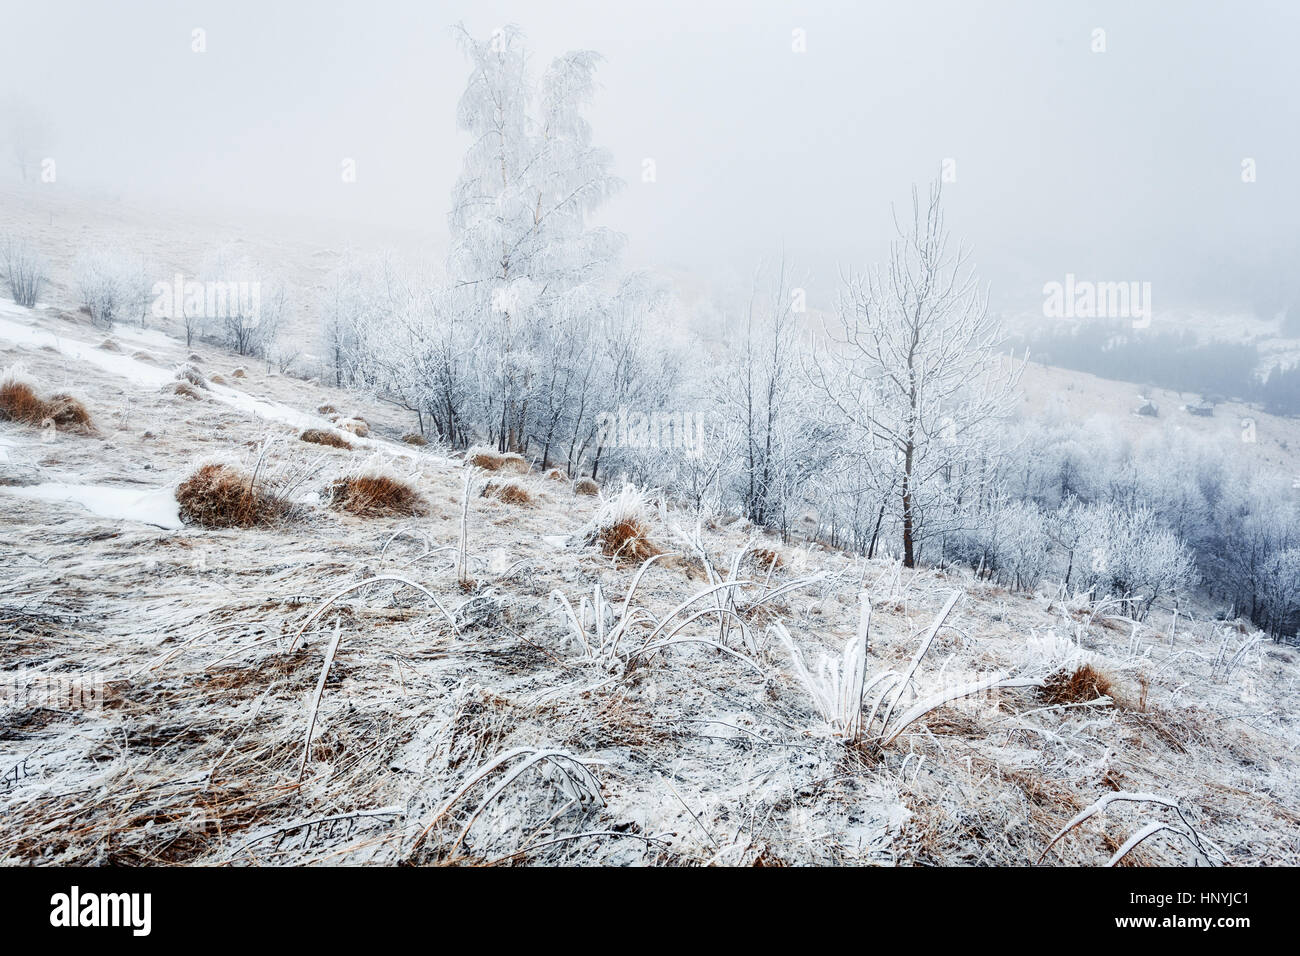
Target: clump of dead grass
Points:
(21, 402)
(326, 409)
(767, 559)
(216, 379)
(356, 426)
(511, 492)
(1085, 683)
(586, 486)
(218, 495)
(188, 373)
(621, 527)
(371, 493)
(556, 474)
(415, 438)
(109, 345)
(239, 373)
(490, 460)
(185, 390)
(322, 436)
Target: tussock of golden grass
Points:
(1082, 684)
(767, 559)
(216, 379)
(511, 492)
(766, 858)
(67, 412)
(319, 436)
(490, 460)
(585, 486)
(356, 426)
(628, 538)
(556, 474)
(188, 373)
(222, 496)
(326, 409)
(376, 496)
(19, 402)
(186, 390)
(415, 438)
(108, 345)
(142, 356)
(239, 373)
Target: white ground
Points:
(188, 749)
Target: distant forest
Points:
(1216, 371)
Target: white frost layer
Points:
(141, 373)
(113, 362)
(156, 507)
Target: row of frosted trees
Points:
(884, 425)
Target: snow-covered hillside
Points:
(344, 689)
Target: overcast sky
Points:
(1119, 165)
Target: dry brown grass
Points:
(356, 426)
(415, 438)
(222, 496)
(556, 474)
(629, 539)
(239, 373)
(320, 436)
(326, 409)
(186, 390)
(188, 373)
(511, 492)
(376, 496)
(109, 345)
(585, 486)
(142, 356)
(19, 402)
(490, 460)
(1083, 684)
(194, 357)
(767, 559)
(216, 379)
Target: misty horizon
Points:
(1115, 165)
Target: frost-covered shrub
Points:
(1279, 591)
(114, 286)
(23, 269)
(1010, 544)
(1128, 554)
(243, 305)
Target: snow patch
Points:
(157, 506)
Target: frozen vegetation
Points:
(524, 560)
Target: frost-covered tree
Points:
(26, 135)
(519, 233)
(912, 365)
(243, 305)
(784, 443)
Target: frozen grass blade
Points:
(316, 698)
